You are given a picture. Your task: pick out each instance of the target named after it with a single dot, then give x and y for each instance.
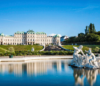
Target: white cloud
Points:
(53, 34)
(86, 8)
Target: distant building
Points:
(63, 38)
(29, 37)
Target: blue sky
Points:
(65, 17)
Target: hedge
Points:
(23, 53)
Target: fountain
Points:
(82, 60)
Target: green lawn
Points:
(70, 47)
(4, 48)
(92, 46)
(85, 47)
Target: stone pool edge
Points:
(24, 59)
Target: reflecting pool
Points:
(47, 72)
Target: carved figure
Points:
(83, 60)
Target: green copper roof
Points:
(9, 35)
(30, 32)
(19, 32)
(40, 33)
(56, 35)
(1, 34)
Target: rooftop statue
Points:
(82, 60)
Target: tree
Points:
(98, 33)
(87, 30)
(92, 38)
(97, 49)
(92, 28)
(81, 35)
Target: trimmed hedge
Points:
(23, 53)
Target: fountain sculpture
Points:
(82, 60)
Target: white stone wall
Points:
(26, 39)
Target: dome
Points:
(40, 33)
(19, 32)
(30, 32)
(56, 35)
(1, 34)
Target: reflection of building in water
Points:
(11, 68)
(57, 66)
(38, 67)
(31, 67)
(80, 74)
(42, 67)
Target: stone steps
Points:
(53, 48)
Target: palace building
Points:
(29, 37)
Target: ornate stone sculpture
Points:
(32, 49)
(88, 60)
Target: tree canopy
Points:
(90, 35)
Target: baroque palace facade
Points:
(29, 37)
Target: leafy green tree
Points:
(81, 35)
(97, 49)
(87, 30)
(98, 33)
(92, 28)
(92, 38)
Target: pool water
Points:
(46, 73)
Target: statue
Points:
(32, 49)
(82, 60)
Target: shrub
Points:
(97, 49)
(1, 54)
(11, 49)
(20, 53)
(57, 52)
(70, 53)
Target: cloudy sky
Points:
(65, 17)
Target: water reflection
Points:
(89, 74)
(37, 67)
(11, 68)
(43, 67)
